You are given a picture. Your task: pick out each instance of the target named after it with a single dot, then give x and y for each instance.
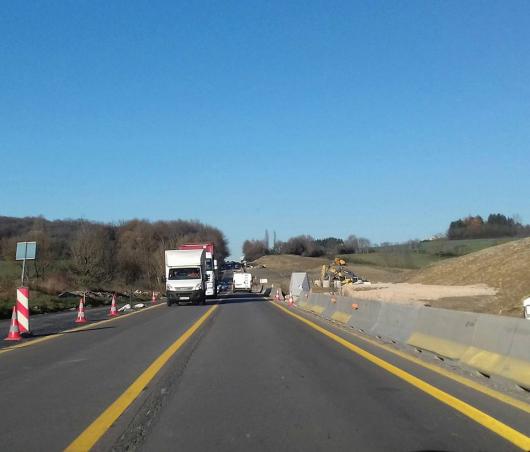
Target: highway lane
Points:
(51, 391)
(259, 380)
(251, 378)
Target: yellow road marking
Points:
(72, 330)
(519, 439)
(516, 403)
(90, 436)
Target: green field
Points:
(422, 254)
(39, 302)
(455, 248)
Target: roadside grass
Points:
(455, 248)
(392, 259)
(39, 303)
(423, 254)
(44, 291)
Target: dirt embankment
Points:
(505, 268)
(412, 293)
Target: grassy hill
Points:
(422, 254)
(505, 267)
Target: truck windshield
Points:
(209, 264)
(184, 273)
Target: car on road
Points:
(242, 281)
(222, 286)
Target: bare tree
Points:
(91, 255)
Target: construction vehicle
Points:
(337, 272)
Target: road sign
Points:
(26, 251)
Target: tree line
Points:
(88, 254)
(495, 226)
(305, 245)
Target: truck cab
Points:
(186, 276)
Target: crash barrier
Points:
(493, 345)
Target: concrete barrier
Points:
(518, 366)
(318, 303)
(395, 321)
(273, 290)
(365, 316)
(343, 310)
(444, 332)
(336, 310)
(493, 345)
(303, 299)
(491, 349)
(331, 307)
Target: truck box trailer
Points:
(211, 265)
(185, 276)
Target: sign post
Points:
(25, 251)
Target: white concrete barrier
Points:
(493, 345)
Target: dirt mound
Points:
(411, 293)
(505, 267)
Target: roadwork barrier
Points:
(494, 346)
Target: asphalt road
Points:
(42, 325)
(251, 377)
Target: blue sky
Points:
(383, 119)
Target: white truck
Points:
(211, 265)
(186, 276)
(242, 281)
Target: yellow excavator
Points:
(337, 272)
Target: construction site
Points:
(494, 280)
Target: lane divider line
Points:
(505, 431)
(516, 403)
(40, 340)
(93, 433)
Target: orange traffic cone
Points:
(81, 312)
(277, 296)
(113, 310)
(14, 332)
(153, 298)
